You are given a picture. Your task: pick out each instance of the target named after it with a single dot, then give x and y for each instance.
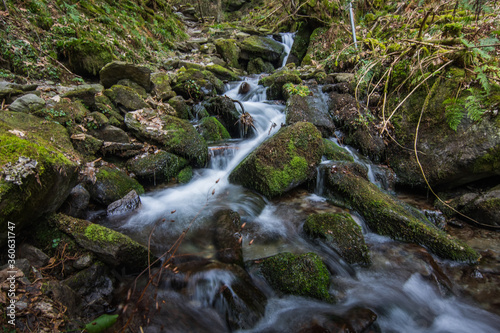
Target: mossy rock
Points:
(340, 232)
(185, 175)
(229, 51)
(225, 111)
(112, 247)
(257, 66)
(223, 73)
(118, 70)
(161, 86)
(174, 135)
(183, 110)
(388, 216)
(302, 275)
(310, 109)
(226, 237)
(212, 130)
(111, 184)
(262, 47)
(87, 145)
(125, 97)
(27, 104)
(196, 84)
(38, 168)
(134, 85)
(106, 107)
(156, 168)
(276, 81)
(85, 57)
(65, 112)
(85, 94)
(334, 152)
(283, 162)
(300, 44)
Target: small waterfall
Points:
(287, 38)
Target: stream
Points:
(404, 286)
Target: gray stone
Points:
(110, 133)
(127, 204)
(27, 104)
(35, 256)
(117, 70)
(77, 202)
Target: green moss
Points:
(340, 232)
(223, 73)
(489, 162)
(185, 175)
(113, 184)
(212, 130)
(229, 50)
(301, 275)
(155, 168)
(334, 152)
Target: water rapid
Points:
(400, 285)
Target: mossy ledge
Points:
(387, 216)
(112, 247)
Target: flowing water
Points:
(402, 286)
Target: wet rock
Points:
(9, 90)
(283, 162)
(225, 111)
(257, 66)
(244, 88)
(301, 275)
(111, 185)
(27, 104)
(111, 247)
(86, 94)
(117, 70)
(309, 109)
(212, 130)
(340, 232)
(110, 133)
(276, 81)
(83, 262)
(334, 152)
(35, 256)
(137, 87)
(262, 47)
(127, 204)
(94, 285)
(125, 97)
(300, 44)
(229, 51)
(62, 293)
(48, 183)
(227, 237)
(155, 168)
(183, 111)
(386, 215)
(175, 135)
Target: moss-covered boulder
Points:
(228, 50)
(262, 47)
(223, 73)
(340, 232)
(111, 247)
(185, 175)
(257, 66)
(110, 185)
(84, 56)
(226, 113)
(118, 70)
(196, 84)
(172, 134)
(125, 97)
(302, 275)
(183, 110)
(334, 152)
(212, 130)
(161, 86)
(310, 109)
(157, 167)
(106, 107)
(86, 94)
(388, 216)
(300, 44)
(28, 103)
(283, 162)
(38, 169)
(65, 112)
(276, 81)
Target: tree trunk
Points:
(219, 11)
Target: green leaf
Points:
(100, 324)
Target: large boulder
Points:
(283, 162)
(301, 275)
(111, 247)
(229, 51)
(223, 73)
(161, 86)
(309, 108)
(262, 47)
(38, 169)
(226, 113)
(195, 84)
(28, 103)
(212, 130)
(125, 97)
(157, 167)
(340, 232)
(118, 70)
(174, 135)
(388, 216)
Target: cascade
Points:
(394, 286)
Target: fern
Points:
(483, 79)
(454, 109)
(473, 106)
